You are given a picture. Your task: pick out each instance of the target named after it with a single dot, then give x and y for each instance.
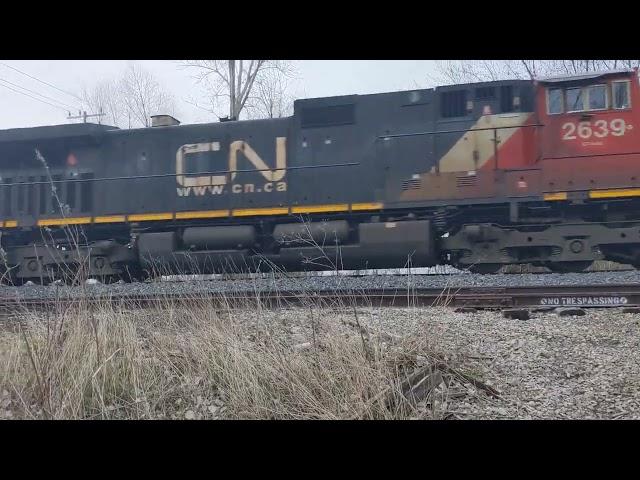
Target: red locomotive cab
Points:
(590, 134)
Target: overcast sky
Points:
(315, 78)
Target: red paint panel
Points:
(519, 151)
(607, 132)
(590, 150)
(588, 173)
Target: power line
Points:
(31, 96)
(197, 106)
(41, 81)
(36, 93)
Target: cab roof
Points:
(73, 130)
(584, 76)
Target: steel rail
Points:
(584, 296)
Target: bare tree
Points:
(469, 71)
(143, 96)
(105, 98)
(270, 97)
(230, 84)
(130, 100)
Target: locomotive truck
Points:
(477, 176)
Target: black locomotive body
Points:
(362, 181)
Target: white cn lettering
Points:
(238, 146)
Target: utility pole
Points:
(83, 115)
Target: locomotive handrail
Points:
(495, 139)
(398, 135)
(165, 175)
(224, 172)
(591, 155)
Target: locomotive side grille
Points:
(7, 197)
(413, 184)
(466, 181)
(556, 251)
(453, 104)
(30, 192)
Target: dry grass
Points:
(215, 360)
(106, 362)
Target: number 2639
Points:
(600, 129)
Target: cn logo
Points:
(237, 147)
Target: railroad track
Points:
(594, 296)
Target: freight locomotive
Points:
(476, 175)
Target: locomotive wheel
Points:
(568, 267)
(485, 268)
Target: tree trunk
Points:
(232, 88)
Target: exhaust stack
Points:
(164, 121)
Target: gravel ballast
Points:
(546, 367)
(549, 367)
(326, 283)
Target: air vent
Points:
(467, 181)
(453, 104)
(485, 93)
(326, 116)
(413, 184)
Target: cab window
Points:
(621, 95)
(575, 100)
(590, 98)
(597, 97)
(554, 101)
